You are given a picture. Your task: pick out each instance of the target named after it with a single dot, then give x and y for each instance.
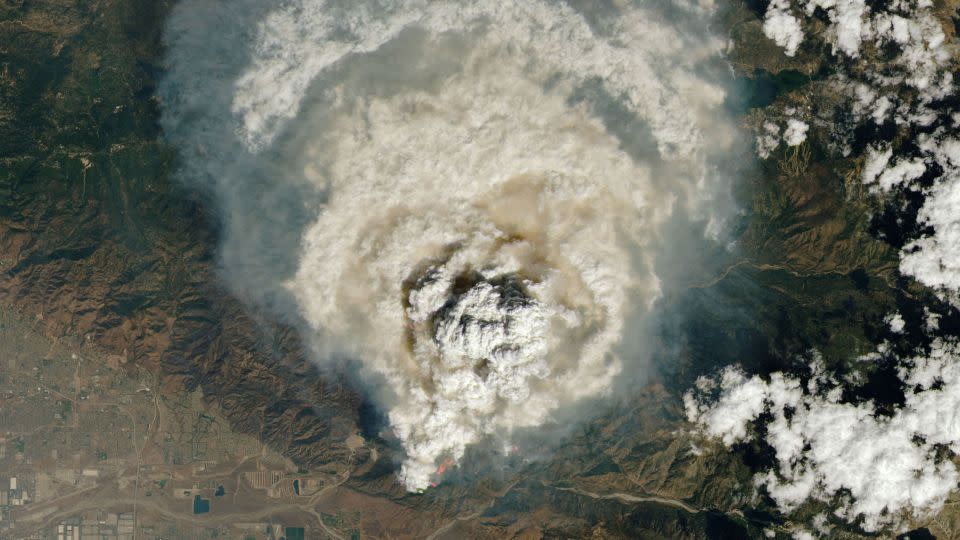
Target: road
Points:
(629, 498)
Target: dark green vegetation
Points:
(99, 241)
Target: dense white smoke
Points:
(477, 185)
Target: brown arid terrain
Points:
(99, 241)
(133, 386)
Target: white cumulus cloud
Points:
(825, 447)
(795, 132)
(782, 27)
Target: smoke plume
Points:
(467, 197)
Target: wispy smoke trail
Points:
(454, 193)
